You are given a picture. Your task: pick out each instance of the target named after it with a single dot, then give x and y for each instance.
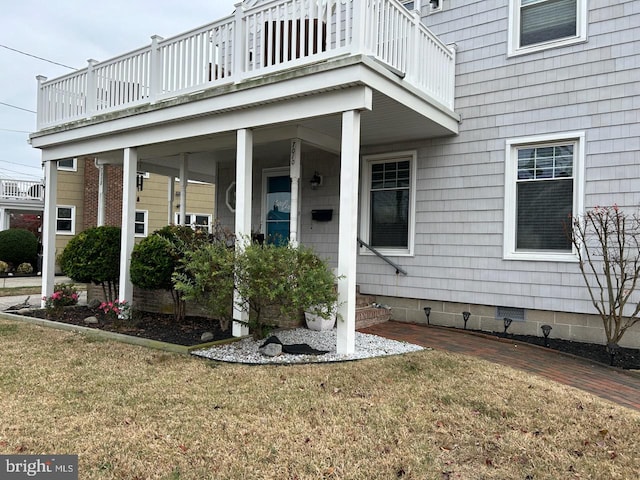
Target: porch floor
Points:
(609, 383)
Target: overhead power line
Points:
(39, 58)
(14, 131)
(20, 164)
(19, 108)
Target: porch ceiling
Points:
(388, 122)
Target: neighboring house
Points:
(452, 140)
(90, 194)
(21, 204)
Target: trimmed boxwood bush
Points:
(17, 246)
(93, 256)
(156, 258)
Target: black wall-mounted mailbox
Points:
(322, 215)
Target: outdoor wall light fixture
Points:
(546, 330)
(465, 317)
(316, 181)
(507, 322)
(427, 312)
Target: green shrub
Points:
(152, 263)
(24, 268)
(281, 277)
(17, 246)
(93, 256)
(207, 278)
(4, 267)
(156, 258)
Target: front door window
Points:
(278, 208)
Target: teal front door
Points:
(278, 209)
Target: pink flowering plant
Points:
(112, 311)
(64, 295)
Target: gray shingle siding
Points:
(592, 87)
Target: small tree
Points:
(158, 257)
(282, 277)
(608, 245)
(207, 278)
(93, 256)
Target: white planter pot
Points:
(316, 322)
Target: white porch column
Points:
(294, 173)
(244, 178)
(171, 193)
(129, 171)
(184, 179)
(102, 194)
(49, 228)
(348, 231)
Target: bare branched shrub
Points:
(608, 245)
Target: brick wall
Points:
(113, 209)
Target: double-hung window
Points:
(544, 189)
(540, 24)
(66, 219)
(388, 202)
(141, 223)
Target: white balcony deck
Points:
(266, 39)
(21, 192)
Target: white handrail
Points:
(256, 40)
(21, 190)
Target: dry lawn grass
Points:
(132, 413)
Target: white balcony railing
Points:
(23, 190)
(269, 37)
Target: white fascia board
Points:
(327, 103)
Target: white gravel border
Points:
(246, 350)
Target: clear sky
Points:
(70, 32)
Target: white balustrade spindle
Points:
(266, 38)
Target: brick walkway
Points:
(609, 383)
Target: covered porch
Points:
(316, 116)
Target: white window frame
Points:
(365, 207)
(513, 41)
(145, 223)
(73, 168)
(73, 220)
(191, 215)
(510, 200)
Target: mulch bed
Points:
(627, 358)
(154, 326)
(163, 327)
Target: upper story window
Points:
(68, 164)
(544, 189)
(141, 223)
(388, 203)
(536, 25)
(66, 219)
